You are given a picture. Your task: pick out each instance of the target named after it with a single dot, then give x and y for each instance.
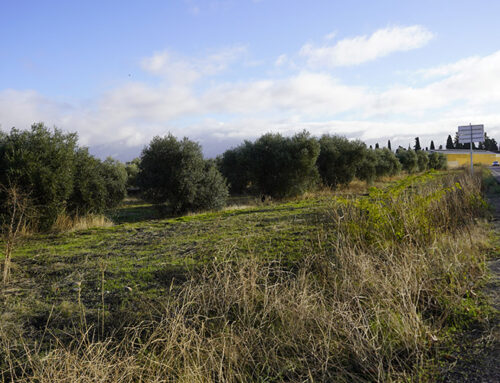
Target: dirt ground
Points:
(478, 356)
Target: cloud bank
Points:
(191, 97)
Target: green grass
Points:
(149, 254)
(331, 282)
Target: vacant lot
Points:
(331, 287)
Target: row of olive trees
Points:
(56, 175)
(418, 160)
(60, 177)
(285, 166)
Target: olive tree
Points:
(422, 160)
(173, 171)
(236, 165)
(340, 159)
(387, 163)
(59, 177)
(284, 166)
(437, 161)
(408, 159)
(41, 163)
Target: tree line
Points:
(62, 178)
(489, 144)
(286, 166)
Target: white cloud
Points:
(360, 49)
(306, 93)
(450, 69)
(456, 93)
(330, 36)
(182, 70)
(281, 60)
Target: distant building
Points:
(461, 157)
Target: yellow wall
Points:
(463, 159)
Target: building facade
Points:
(461, 157)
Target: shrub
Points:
(367, 169)
(422, 160)
(132, 169)
(212, 191)
(387, 163)
(283, 167)
(340, 159)
(173, 171)
(236, 165)
(89, 192)
(41, 164)
(115, 179)
(408, 159)
(437, 161)
(59, 178)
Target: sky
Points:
(222, 71)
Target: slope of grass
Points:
(319, 289)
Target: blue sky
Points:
(121, 72)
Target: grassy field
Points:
(361, 286)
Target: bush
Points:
(173, 171)
(437, 161)
(387, 163)
(422, 160)
(41, 164)
(367, 168)
(212, 191)
(236, 165)
(132, 169)
(89, 191)
(58, 177)
(340, 159)
(283, 167)
(115, 179)
(408, 159)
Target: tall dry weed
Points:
(67, 223)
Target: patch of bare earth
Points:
(477, 358)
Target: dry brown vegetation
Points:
(67, 223)
(394, 272)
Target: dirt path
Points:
(478, 357)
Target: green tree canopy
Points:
(173, 171)
(237, 166)
(41, 163)
(339, 159)
(284, 166)
(422, 160)
(408, 159)
(57, 175)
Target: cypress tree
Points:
(449, 142)
(376, 146)
(417, 144)
(432, 145)
(389, 144)
(457, 144)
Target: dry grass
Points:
(66, 223)
(369, 307)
